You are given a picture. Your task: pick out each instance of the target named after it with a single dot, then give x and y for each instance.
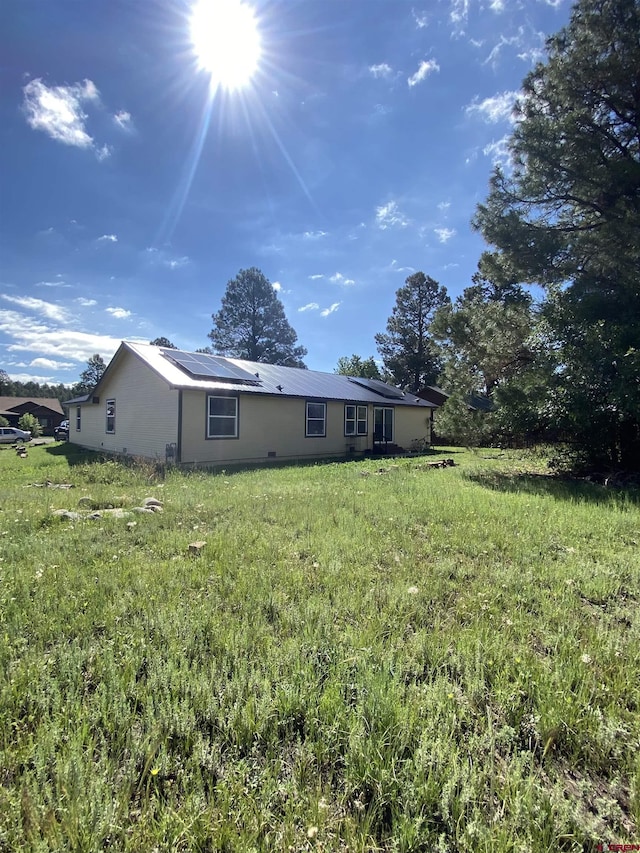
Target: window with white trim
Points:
(222, 417)
(316, 420)
(111, 416)
(355, 419)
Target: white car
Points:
(9, 435)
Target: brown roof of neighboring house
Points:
(11, 405)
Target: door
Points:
(382, 424)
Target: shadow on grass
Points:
(74, 455)
(560, 488)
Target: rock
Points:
(195, 548)
(86, 503)
(65, 513)
(152, 502)
(142, 509)
(116, 512)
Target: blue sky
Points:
(133, 188)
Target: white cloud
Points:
(176, 263)
(58, 283)
(108, 238)
(51, 364)
(58, 112)
(314, 235)
(37, 337)
(310, 306)
(381, 70)
(123, 119)
(494, 109)
(513, 41)
(316, 276)
(444, 234)
(420, 18)
(277, 286)
(46, 309)
(497, 5)
(425, 68)
(393, 267)
(104, 152)
(389, 216)
(118, 313)
(444, 206)
(499, 152)
(459, 12)
(338, 278)
(86, 303)
(326, 311)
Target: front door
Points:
(382, 424)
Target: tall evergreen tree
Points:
(408, 349)
(251, 323)
(90, 376)
(568, 217)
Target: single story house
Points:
(47, 411)
(197, 409)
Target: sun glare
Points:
(226, 41)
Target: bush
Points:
(30, 422)
(3, 421)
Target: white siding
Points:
(146, 413)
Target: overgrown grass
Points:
(364, 656)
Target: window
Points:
(111, 416)
(78, 418)
(316, 420)
(355, 420)
(222, 417)
(382, 424)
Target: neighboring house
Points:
(198, 409)
(438, 397)
(47, 411)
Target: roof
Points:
(8, 405)
(263, 379)
(434, 395)
(476, 402)
(74, 402)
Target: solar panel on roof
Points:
(202, 365)
(378, 387)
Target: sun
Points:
(226, 41)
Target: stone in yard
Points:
(195, 548)
(65, 513)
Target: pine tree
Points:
(251, 323)
(568, 217)
(408, 350)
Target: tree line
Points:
(562, 221)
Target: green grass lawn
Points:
(367, 656)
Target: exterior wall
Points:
(276, 425)
(411, 425)
(146, 413)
